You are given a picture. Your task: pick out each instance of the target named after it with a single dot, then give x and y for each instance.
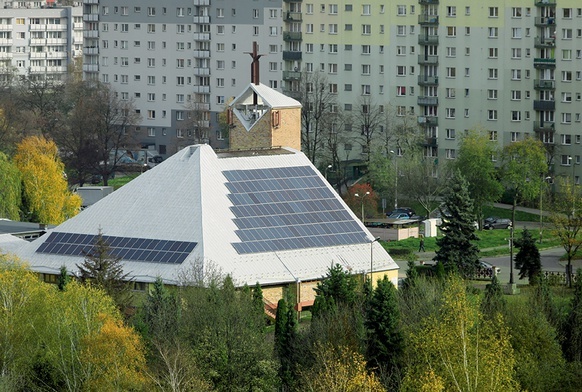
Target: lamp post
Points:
(372, 260)
(541, 209)
(362, 199)
(511, 255)
(395, 180)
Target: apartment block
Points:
(511, 67)
(39, 39)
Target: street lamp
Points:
(372, 260)
(511, 255)
(362, 198)
(326, 169)
(541, 209)
(395, 180)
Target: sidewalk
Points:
(534, 211)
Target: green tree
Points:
(63, 278)
(285, 343)
(493, 301)
(46, 197)
(573, 327)
(338, 287)
(527, 259)
(10, 189)
(566, 219)
(161, 313)
(456, 248)
(385, 339)
(474, 161)
(105, 271)
(465, 351)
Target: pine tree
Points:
(161, 313)
(385, 339)
(527, 260)
(338, 287)
(63, 278)
(105, 271)
(285, 335)
(493, 301)
(457, 250)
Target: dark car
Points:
(406, 210)
(497, 223)
(487, 269)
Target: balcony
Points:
(91, 33)
(544, 105)
(544, 126)
(56, 41)
(90, 17)
(427, 101)
(57, 55)
(201, 19)
(202, 2)
(428, 19)
(425, 80)
(544, 42)
(291, 75)
(5, 27)
(292, 36)
(542, 21)
(544, 63)
(428, 60)
(6, 55)
(545, 3)
(428, 39)
(91, 50)
(201, 89)
(34, 41)
(542, 84)
(428, 121)
(201, 36)
(431, 142)
(37, 55)
(293, 16)
(90, 1)
(201, 71)
(292, 56)
(78, 26)
(90, 68)
(37, 27)
(428, 2)
(201, 54)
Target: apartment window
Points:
(401, 50)
(566, 118)
(451, 31)
(515, 115)
(151, 11)
(566, 76)
(514, 136)
(450, 153)
(333, 9)
(451, 11)
(400, 10)
(492, 115)
(567, 12)
(366, 9)
(332, 68)
(516, 32)
(493, 32)
(567, 54)
(493, 53)
(450, 134)
(515, 95)
(347, 87)
(401, 30)
(365, 89)
(493, 72)
(516, 12)
(400, 70)
(366, 69)
(219, 82)
(333, 88)
(566, 139)
(493, 136)
(151, 28)
(151, 114)
(516, 74)
(451, 51)
(450, 92)
(566, 97)
(493, 12)
(516, 53)
(366, 49)
(451, 72)
(400, 91)
(366, 29)
(567, 33)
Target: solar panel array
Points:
(126, 248)
(287, 208)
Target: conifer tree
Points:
(63, 278)
(527, 260)
(457, 249)
(338, 287)
(285, 337)
(493, 301)
(105, 271)
(385, 339)
(161, 313)
(572, 344)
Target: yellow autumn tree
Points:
(115, 354)
(459, 350)
(339, 369)
(47, 198)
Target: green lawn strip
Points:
(120, 181)
(520, 216)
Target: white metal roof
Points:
(185, 199)
(266, 96)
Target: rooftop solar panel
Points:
(287, 208)
(135, 249)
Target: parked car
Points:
(399, 216)
(488, 268)
(497, 223)
(406, 210)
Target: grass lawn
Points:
(120, 180)
(495, 241)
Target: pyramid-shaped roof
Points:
(261, 216)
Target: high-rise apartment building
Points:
(512, 67)
(39, 39)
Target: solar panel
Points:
(287, 208)
(127, 248)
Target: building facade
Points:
(39, 39)
(507, 66)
